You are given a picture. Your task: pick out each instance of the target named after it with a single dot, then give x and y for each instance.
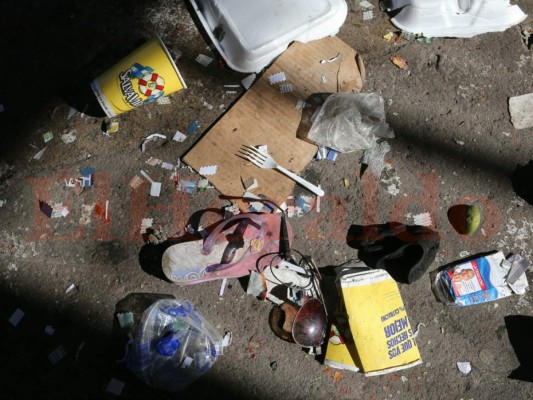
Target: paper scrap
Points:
(15, 318)
(250, 183)
(47, 136)
(57, 355)
(276, 78)
(136, 181)
(49, 330)
(68, 137)
(186, 186)
(204, 60)
(203, 184)
(399, 62)
(125, 320)
(150, 138)
(285, 88)
(423, 219)
(147, 176)
(167, 166)
(70, 288)
(248, 81)
(193, 127)
(71, 112)
(366, 4)
(163, 100)
(231, 86)
(520, 109)
(155, 189)
(388, 36)
(464, 366)
(179, 137)
(186, 362)
(300, 104)
(222, 287)
(208, 170)
(39, 154)
(207, 105)
(153, 161)
(376, 158)
(115, 387)
(368, 15)
(329, 60)
(417, 329)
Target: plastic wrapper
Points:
(174, 345)
(350, 121)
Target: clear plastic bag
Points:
(174, 345)
(350, 121)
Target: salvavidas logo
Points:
(149, 83)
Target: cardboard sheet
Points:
(265, 116)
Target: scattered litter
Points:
(208, 170)
(209, 106)
(155, 189)
(179, 137)
(304, 203)
(368, 15)
(223, 287)
(49, 330)
(186, 186)
(231, 92)
(68, 137)
(346, 182)
(57, 355)
(404, 379)
(399, 62)
(86, 176)
(285, 88)
(86, 212)
(321, 153)
(329, 60)
(78, 351)
(125, 320)
(248, 81)
(520, 109)
(70, 288)
(231, 86)
(376, 158)
(145, 224)
(39, 154)
(167, 166)
(300, 104)
(48, 136)
(204, 60)
(423, 219)
(459, 142)
(193, 127)
(71, 112)
(153, 161)
(250, 183)
(151, 138)
(136, 181)
(2, 202)
(388, 36)
(464, 367)
(163, 100)
(417, 329)
(115, 387)
(276, 78)
(367, 5)
(203, 184)
(317, 205)
(527, 37)
(108, 129)
(15, 318)
(464, 254)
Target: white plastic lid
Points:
(249, 35)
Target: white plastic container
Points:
(251, 34)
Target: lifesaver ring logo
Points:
(151, 84)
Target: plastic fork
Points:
(265, 161)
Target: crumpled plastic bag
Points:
(174, 345)
(349, 122)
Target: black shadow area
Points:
(519, 328)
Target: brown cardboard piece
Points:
(265, 116)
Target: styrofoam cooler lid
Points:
(250, 34)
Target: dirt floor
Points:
(454, 144)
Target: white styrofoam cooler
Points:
(249, 34)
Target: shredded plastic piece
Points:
(276, 78)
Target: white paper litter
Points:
(368, 15)
(222, 287)
(150, 138)
(70, 288)
(186, 362)
(68, 137)
(39, 154)
(167, 166)
(2, 202)
(464, 366)
(208, 170)
(417, 329)
(115, 387)
(300, 104)
(285, 88)
(276, 78)
(520, 108)
(155, 189)
(423, 219)
(147, 176)
(366, 4)
(248, 81)
(179, 137)
(153, 161)
(204, 60)
(146, 223)
(15, 318)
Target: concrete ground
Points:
(454, 144)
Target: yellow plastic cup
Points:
(141, 77)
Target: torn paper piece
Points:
(163, 100)
(70, 288)
(125, 320)
(276, 78)
(304, 203)
(49, 330)
(68, 137)
(332, 155)
(207, 105)
(186, 186)
(87, 171)
(248, 81)
(58, 211)
(321, 153)
(136, 181)
(48, 136)
(329, 60)
(155, 189)
(376, 158)
(153, 161)
(366, 5)
(222, 287)
(423, 219)
(230, 210)
(193, 127)
(203, 184)
(459, 142)
(520, 108)
(179, 137)
(285, 88)
(300, 105)
(464, 366)
(147, 176)
(250, 184)
(208, 170)
(57, 355)
(86, 211)
(150, 138)
(204, 60)
(145, 224)
(417, 329)
(15, 318)
(399, 62)
(368, 15)
(167, 166)
(39, 154)
(186, 362)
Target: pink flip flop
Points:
(238, 245)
